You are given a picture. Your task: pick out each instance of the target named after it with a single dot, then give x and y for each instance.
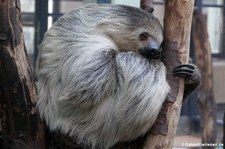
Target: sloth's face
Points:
(149, 46)
(145, 42)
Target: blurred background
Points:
(39, 15)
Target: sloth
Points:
(101, 79)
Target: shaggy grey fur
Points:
(93, 85)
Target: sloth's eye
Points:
(143, 36)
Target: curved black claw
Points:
(192, 77)
(184, 70)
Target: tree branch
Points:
(177, 28)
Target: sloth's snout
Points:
(152, 50)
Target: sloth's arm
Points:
(87, 80)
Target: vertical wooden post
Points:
(205, 90)
(19, 126)
(177, 28)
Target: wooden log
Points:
(20, 127)
(177, 28)
(205, 91)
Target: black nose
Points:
(152, 51)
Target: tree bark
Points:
(177, 28)
(19, 124)
(205, 91)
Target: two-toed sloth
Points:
(101, 79)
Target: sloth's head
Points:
(133, 29)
